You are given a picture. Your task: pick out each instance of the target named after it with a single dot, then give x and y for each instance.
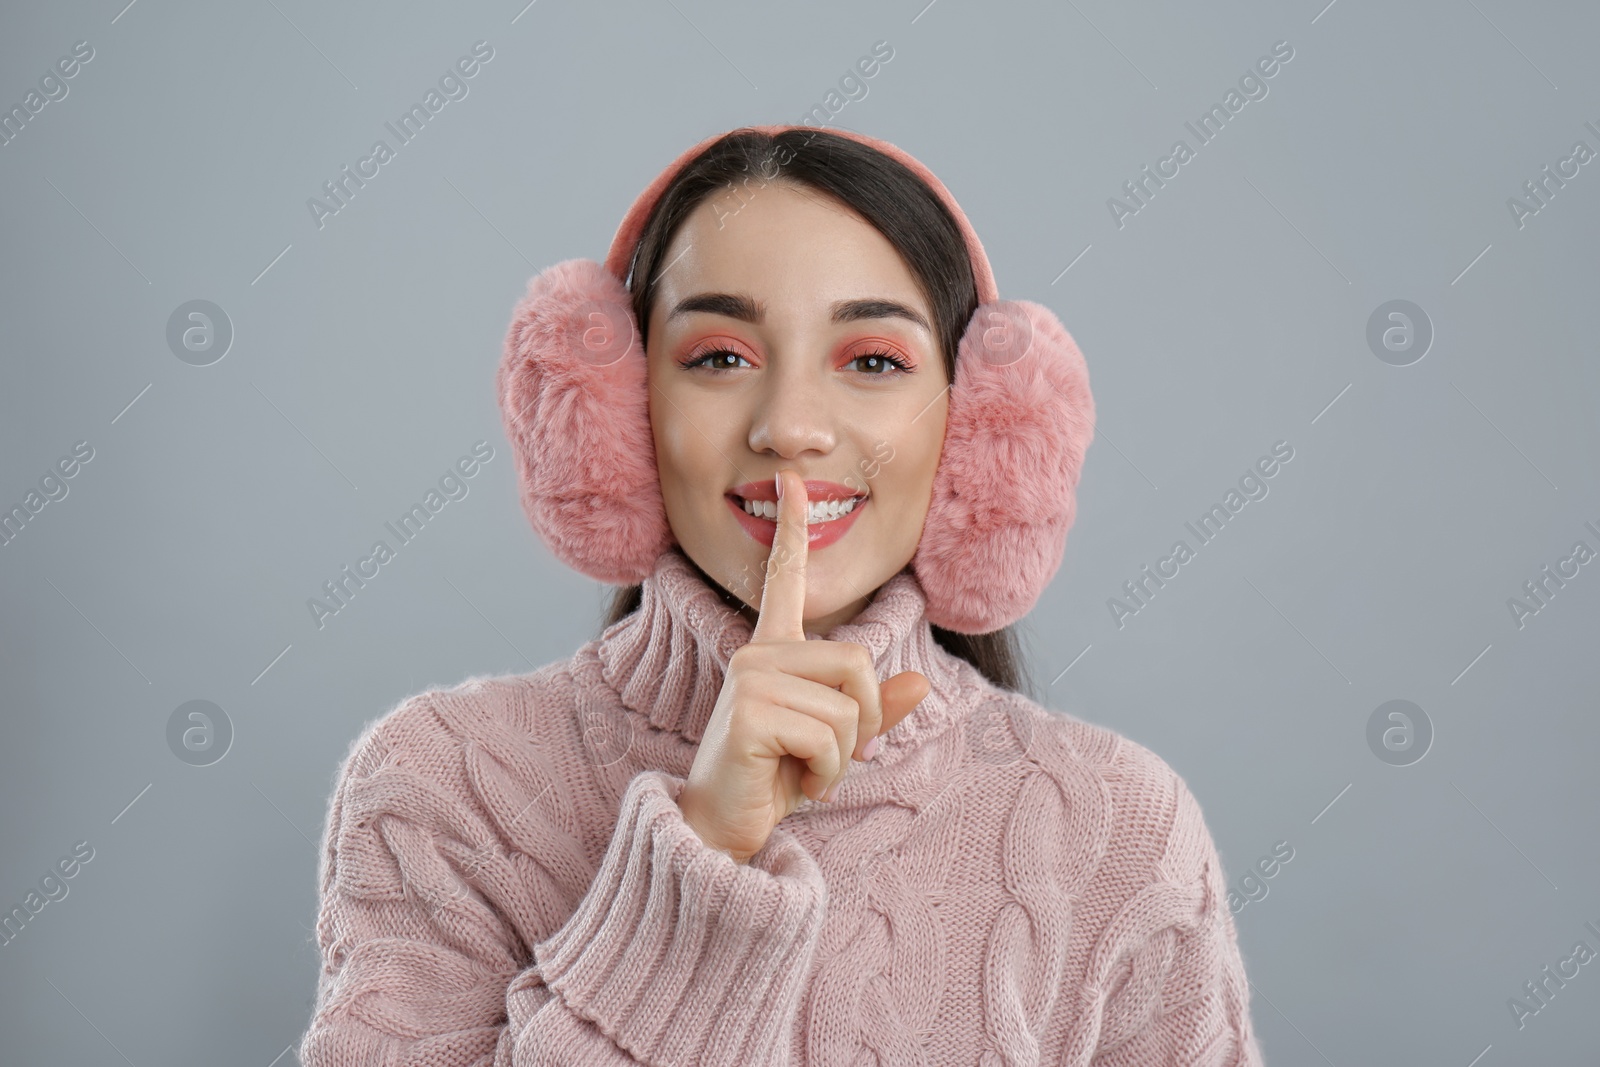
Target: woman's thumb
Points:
(900, 696)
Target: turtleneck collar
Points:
(667, 660)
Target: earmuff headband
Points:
(633, 223)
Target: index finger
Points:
(781, 615)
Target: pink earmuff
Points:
(575, 402)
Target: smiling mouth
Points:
(817, 512)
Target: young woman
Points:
(791, 806)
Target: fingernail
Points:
(832, 792)
(777, 481)
(871, 749)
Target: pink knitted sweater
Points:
(506, 878)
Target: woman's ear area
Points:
(671, 535)
(1005, 494)
(573, 392)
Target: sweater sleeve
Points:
(443, 944)
(1181, 997)
(680, 954)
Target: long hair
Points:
(895, 202)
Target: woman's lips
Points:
(816, 489)
(820, 534)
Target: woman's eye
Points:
(714, 360)
(874, 364)
(880, 363)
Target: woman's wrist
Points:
(690, 810)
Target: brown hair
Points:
(901, 207)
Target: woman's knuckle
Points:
(828, 737)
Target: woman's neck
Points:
(813, 626)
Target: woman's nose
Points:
(792, 415)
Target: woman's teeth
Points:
(818, 511)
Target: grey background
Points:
(1228, 314)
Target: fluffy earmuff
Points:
(574, 398)
(1005, 492)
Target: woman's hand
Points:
(792, 712)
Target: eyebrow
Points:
(747, 309)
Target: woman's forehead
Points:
(787, 254)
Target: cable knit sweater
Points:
(506, 878)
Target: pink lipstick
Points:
(822, 533)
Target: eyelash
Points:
(888, 357)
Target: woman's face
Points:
(767, 335)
